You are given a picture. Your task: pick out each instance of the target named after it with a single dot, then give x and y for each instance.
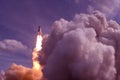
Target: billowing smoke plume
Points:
(85, 48)
(18, 72)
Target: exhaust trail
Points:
(37, 68)
(19, 72)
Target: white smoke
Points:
(84, 48)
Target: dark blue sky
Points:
(19, 20)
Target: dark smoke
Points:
(85, 48)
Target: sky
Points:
(19, 20)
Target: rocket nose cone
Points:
(39, 29)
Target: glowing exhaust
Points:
(37, 68)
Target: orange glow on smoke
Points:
(37, 68)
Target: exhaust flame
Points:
(39, 43)
(37, 68)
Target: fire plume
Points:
(39, 42)
(37, 68)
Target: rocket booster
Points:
(39, 30)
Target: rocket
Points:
(39, 30)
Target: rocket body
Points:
(39, 30)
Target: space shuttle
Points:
(39, 30)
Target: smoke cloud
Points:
(85, 48)
(19, 72)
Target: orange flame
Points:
(37, 68)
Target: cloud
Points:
(14, 51)
(109, 7)
(12, 45)
(77, 1)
